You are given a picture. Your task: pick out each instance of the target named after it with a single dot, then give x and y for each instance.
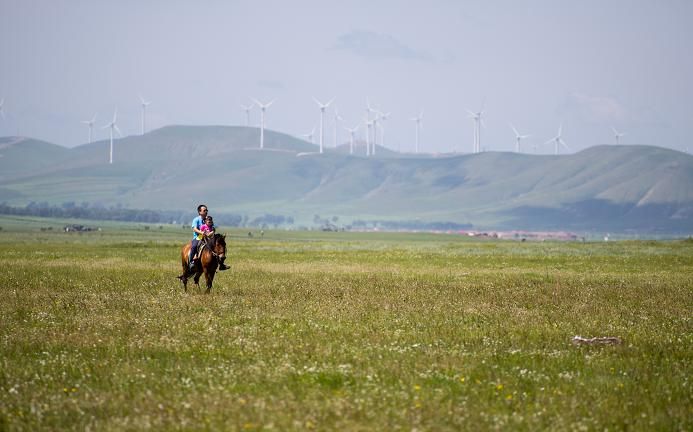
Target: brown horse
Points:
(212, 254)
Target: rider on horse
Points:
(199, 232)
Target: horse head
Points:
(219, 246)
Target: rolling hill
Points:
(173, 168)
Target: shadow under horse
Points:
(213, 254)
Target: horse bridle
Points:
(211, 249)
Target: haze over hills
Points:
(602, 188)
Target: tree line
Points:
(86, 210)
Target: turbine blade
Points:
(117, 130)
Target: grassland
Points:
(341, 331)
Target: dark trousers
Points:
(193, 249)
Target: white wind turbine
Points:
(144, 104)
(112, 125)
(558, 140)
(263, 107)
(374, 122)
(322, 107)
(352, 132)
(418, 119)
(337, 119)
(90, 123)
(310, 135)
(247, 113)
(478, 123)
(617, 134)
(518, 138)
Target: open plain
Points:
(341, 331)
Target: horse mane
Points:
(211, 241)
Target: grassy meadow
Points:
(341, 331)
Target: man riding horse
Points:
(198, 235)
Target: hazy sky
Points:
(590, 64)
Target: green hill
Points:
(173, 168)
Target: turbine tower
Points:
(383, 117)
(337, 119)
(90, 123)
(369, 125)
(518, 138)
(352, 132)
(478, 122)
(263, 107)
(558, 140)
(322, 107)
(144, 104)
(617, 134)
(247, 113)
(418, 120)
(2, 109)
(112, 126)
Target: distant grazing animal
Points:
(213, 253)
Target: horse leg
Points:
(184, 279)
(184, 276)
(197, 280)
(209, 277)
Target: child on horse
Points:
(202, 225)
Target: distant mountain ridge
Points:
(173, 168)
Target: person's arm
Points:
(195, 229)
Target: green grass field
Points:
(341, 331)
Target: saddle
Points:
(204, 243)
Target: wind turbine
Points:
(418, 120)
(263, 107)
(518, 138)
(247, 113)
(337, 119)
(478, 122)
(112, 125)
(310, 135)
(144, 104)
(370, 110)
(90, 123)
(617, 134)
(352, 132)
(322, 107)
(558, 140)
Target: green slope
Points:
(175, 167)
